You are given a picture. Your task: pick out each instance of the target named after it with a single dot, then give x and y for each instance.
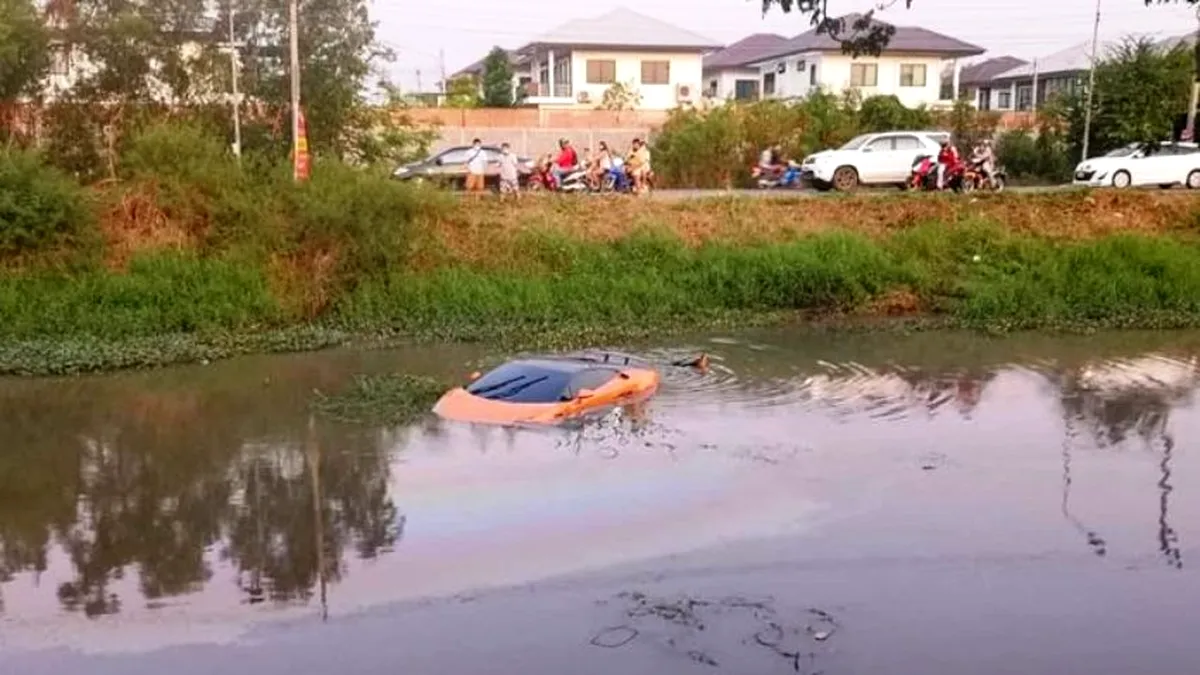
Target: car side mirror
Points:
(439, 161)
(474, 376)
(584, 394)
(867, 150)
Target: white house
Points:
(909, 67)
(1060, 72)
(727, 73)
(573, 65)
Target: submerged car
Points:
(548, 390)
(1139, 164)
(449, 167)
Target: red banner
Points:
(301, 160)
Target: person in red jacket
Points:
(948, 160)
(566, 161)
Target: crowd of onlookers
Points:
(553, 168)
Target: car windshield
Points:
(1125, 151)
(525, 382)
(856, 142)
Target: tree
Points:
(620, 96)
(24, 50)
(1140, 90)
(462, 92)
(497, 80)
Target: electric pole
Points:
(294, 29)
(1189, 132)
(237, 99)
(1087, 114)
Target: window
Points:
(907, 143)
(601, 72)
(590, 379)
(524, 382)
(801, 66)
(984, 98)
(864, 75)
(812, 75)
(769, 84)
(880, 145)
(455, 156)
(912, 74)
(60, 61)
(714, 88)
(1004, 100)
(1024, 97)
(745, 90)
(656, 72)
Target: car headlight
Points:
(1083, 167)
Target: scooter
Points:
(787, 177)
(924, 175)
(543, 178)
(615, 179)
(974, 179)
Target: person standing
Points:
(476, 167)
(509, 173)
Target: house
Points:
(1061, 72)
(573, 65)
(974, 82)
(909, 66)
(727, 73)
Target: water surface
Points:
(934, 503)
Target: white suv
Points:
(871, 159)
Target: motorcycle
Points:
(785, 177)
(615, 179)
(543, 178)
(924, 175)
(974, 179)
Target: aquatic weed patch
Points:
(381, 400)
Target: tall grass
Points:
(159, 294)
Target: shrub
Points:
(40, 207)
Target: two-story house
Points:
(728, 73)
(573, 65)
(909, 67)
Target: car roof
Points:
(560, 364)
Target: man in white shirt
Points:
(477, 161)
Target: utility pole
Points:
(1091, 92)
(1189, 132)
(294, 29)
(237, 98)
(442, 66)
(1034, 100)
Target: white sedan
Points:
(1163, 164)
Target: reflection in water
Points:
(153, 487)
(1120, 399)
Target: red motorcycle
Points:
(924, 175)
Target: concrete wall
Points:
(537, 118)
(529, 142)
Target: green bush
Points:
(40, 207)
(160, 294)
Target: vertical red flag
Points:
(302, 161)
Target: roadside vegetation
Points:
(196, 260)
(131, 236)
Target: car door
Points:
(906, 149)
(875, 156)
(1153, 166)
(451, 162)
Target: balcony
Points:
(542, 93)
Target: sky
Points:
(464, 30)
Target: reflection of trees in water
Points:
(148, 486)
(1114, 413)
(889, 393)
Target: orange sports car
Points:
(547, 390)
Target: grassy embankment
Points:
(194, 265)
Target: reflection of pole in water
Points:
(314, 460)
(1168, 539)
(1098, 545)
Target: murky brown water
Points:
(857, 498)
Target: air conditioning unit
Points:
(685, 92)
(583, 97)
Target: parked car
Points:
(1138, 164)
(871, 159)
(449, 167)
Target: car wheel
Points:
(1121, 179)
(1193, 180)
(845, 179)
